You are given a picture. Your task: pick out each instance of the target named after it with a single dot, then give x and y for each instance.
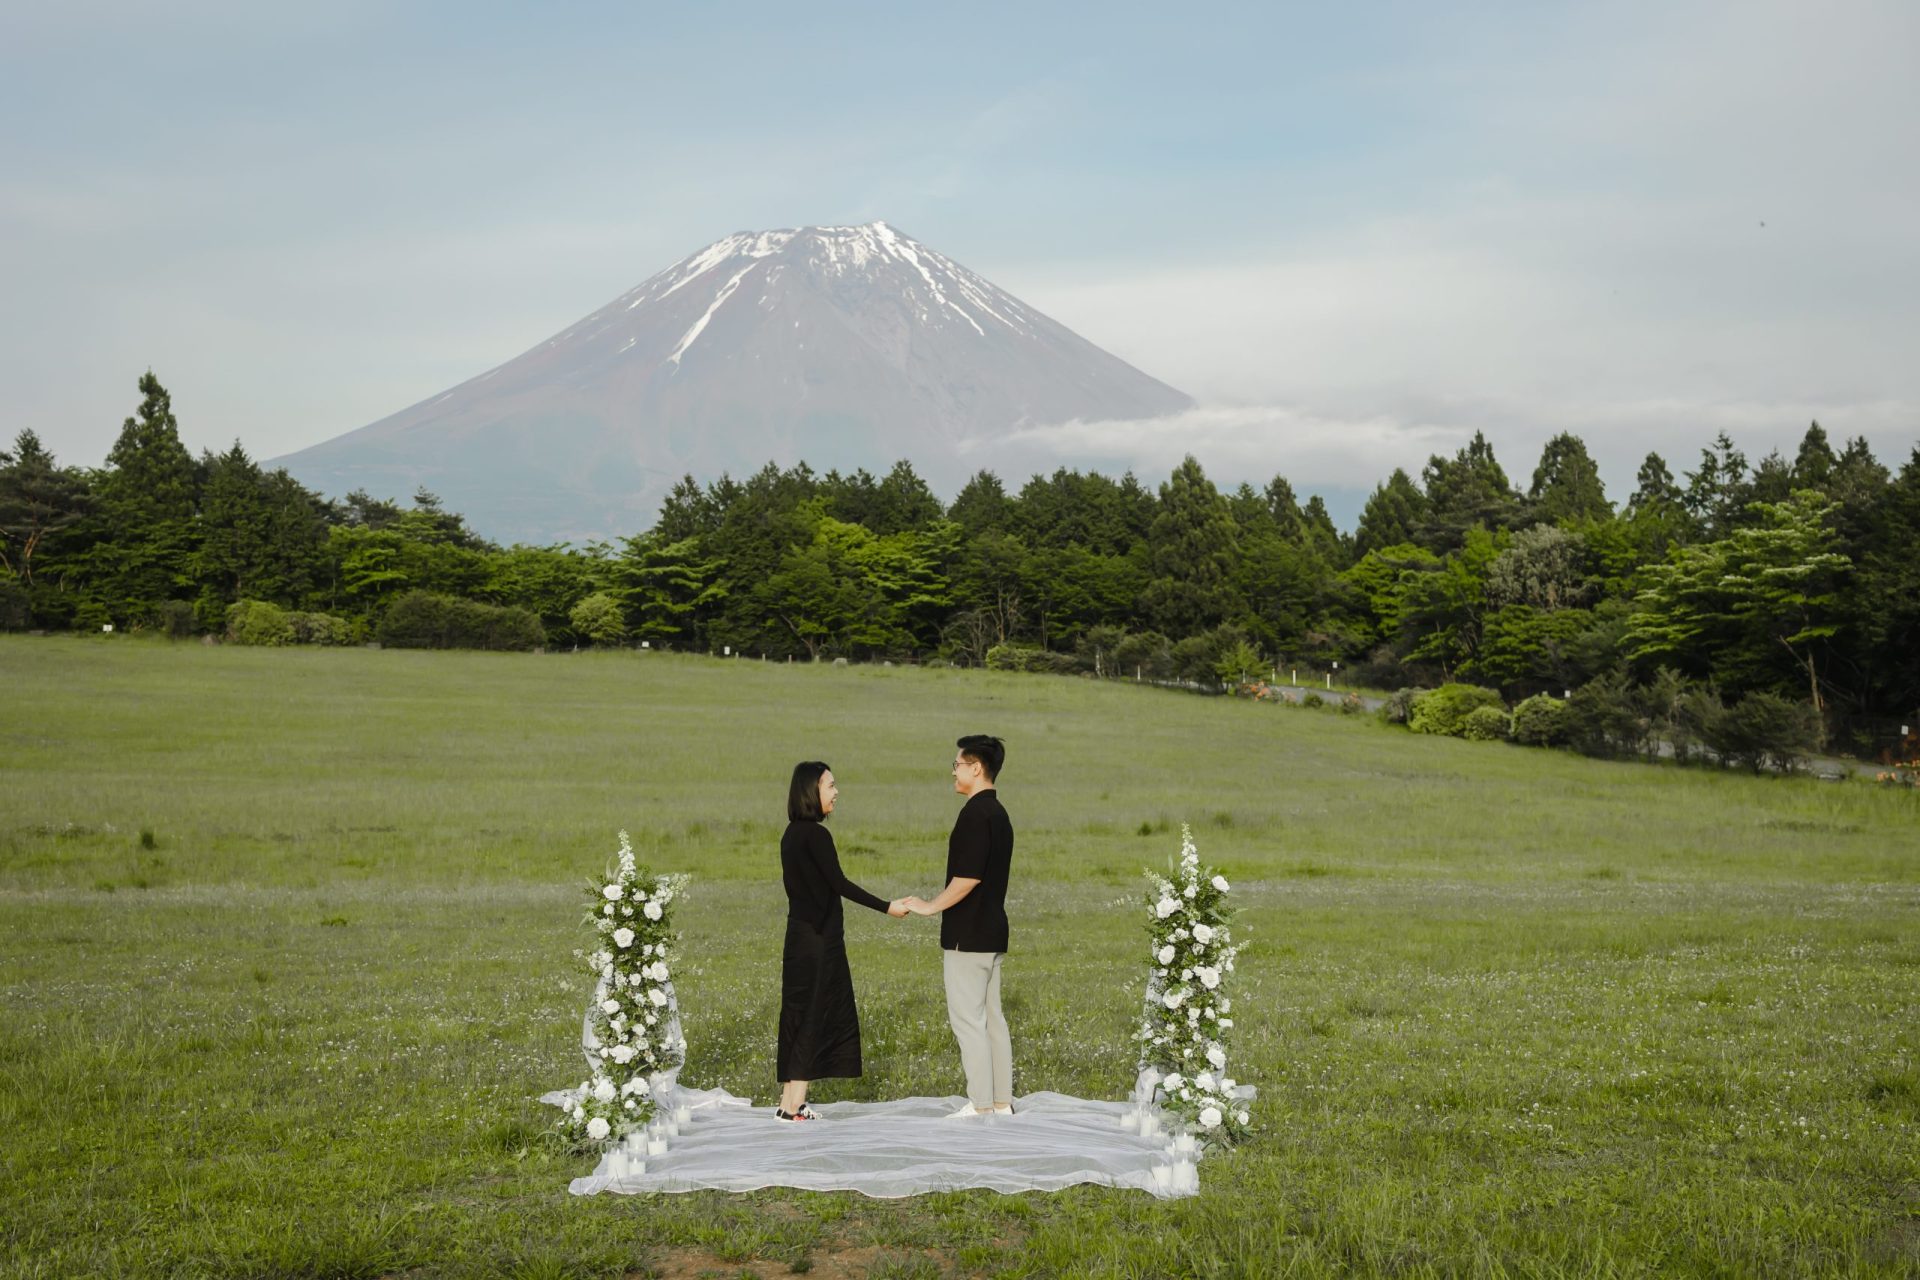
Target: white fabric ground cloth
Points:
(902, 1148)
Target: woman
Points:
(819, 1025)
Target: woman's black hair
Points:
(803, 797)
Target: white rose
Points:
(1209, 978)
(1226, 1084)
(1203, 933)
(658, 996)
(1210, 1118)
(658, 971)
(1186, 975)
(579, 1113)
(1226, 1022)
(609, 1006)
(1172, 1081)
(1173, 998)
(1220, 883)
(1165, 954)
(653, 911)
(1217, 1056)
(623, 937)
(607, 910)
(598, 1128)
(1165, 907)
(621, 1053)
(1226, 1005)
(1241, 1116)
(1191, 890)
(603, 1089)
(1204, 1081)
(611, 893)
(636, 1086)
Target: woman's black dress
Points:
(819, 1026)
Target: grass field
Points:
(286, 951)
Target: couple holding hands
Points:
(819, 1023)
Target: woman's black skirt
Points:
(819, 1025)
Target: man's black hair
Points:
(803, 797)
(989, 751)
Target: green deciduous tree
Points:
(1767, 589)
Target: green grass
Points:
(285, 953)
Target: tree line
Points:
(1799, 576)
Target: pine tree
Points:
(141, 534)
(1566, 485)
(1192, 547)
(38, 499)
(1393, 515)
(1813, 464)
(1718, 493)
(1467, 490)
(981, 505)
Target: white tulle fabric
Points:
(905, 1147)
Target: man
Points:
(973, 926)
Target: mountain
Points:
(844, 347)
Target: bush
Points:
(1607, 716)
(15, 607)
(1398, 708)
(320, 628)
(1015, 657)
(1444, 710)
(1485, 724)
(1765, 730)
(598, 618)
(422, 620)
(1352, 704)
(1143, 654)
(1540, 721)
(91, 615)
(177, 619)
(256, 622)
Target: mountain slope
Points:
(842, 346)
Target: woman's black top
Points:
(810, 866)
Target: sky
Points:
(1355, 234)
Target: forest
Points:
(1793, 577)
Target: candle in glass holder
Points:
(656, 1146)
(616, 1165)
(683, 1115)
(1185, 1176)
(1130, 1120)
(1149, 1125)
(1162, 1177)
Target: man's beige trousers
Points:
(973, 1007)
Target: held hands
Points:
(909, 905)
(897, 908)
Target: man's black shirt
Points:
(980, 848)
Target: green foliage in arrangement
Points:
(1445, 710)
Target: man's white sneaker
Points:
(967, 1111)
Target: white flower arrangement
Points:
(633, 994)
(1183, 1027)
